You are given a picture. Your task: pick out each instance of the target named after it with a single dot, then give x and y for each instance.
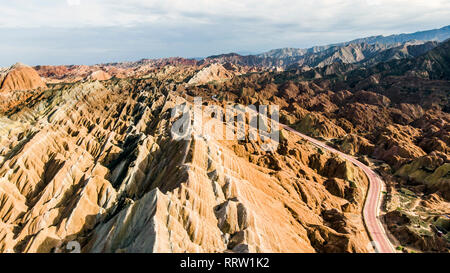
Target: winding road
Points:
(371, 211)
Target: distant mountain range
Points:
(433, 65)
(315, 62)
(422, 80)
(437, 35)
(364, 52)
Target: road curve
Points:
(373, 200)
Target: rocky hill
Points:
(18, 83)
(91, 158)
(99, 75)
(394, 116)
(97, 165)
(74, 73)
(20, 77)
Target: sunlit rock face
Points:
(95, 163)
(20, 77)
(88, 161)
(18, 83)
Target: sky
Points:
(98, 31)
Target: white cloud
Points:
(315, 15)
(156, 28)
(73, 2)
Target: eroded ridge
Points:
(95, 163)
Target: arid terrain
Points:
(87, 155)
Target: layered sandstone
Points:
(212, 73)
(20, 77)
(97, 165)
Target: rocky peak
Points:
(20, 77)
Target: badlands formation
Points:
(95, 163)
(16, 83)
(20, 77)
(87, 157)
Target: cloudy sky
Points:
(97, 31)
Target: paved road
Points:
(373, 200)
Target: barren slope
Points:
(96, 163)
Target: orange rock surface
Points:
(20, 77)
